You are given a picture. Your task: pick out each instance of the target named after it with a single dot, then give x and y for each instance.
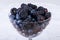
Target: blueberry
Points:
(33, 11)
(33, 20)
(30, 31)
(19, 23)
(13, 11)
(17, 16)
(47, 15)
(32, 6)
(12, 17)
(21, 26)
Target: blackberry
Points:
(13, 11)
(32, 6)
(40, 8)
(23, 14)
(24, 6)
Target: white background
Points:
(8, 32)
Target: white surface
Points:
(8, 32)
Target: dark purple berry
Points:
(32, 6)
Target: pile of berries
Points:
(29, 13)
